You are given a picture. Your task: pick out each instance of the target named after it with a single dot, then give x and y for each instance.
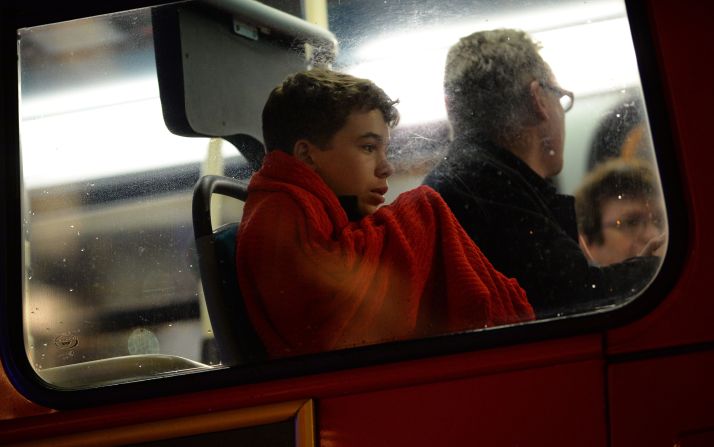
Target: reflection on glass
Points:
(110, 261)
(111, 268)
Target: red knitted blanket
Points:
(313, 281)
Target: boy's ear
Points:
(538, 100)
(302, 150)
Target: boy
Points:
(320, 266)
(620, 212)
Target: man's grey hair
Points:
(486, 82)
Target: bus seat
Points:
(234, 333)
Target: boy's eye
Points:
(369, 147)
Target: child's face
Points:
(627, 226)
(354, 161)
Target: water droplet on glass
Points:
(594, 286)
(143, 341)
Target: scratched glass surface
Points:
(110, 261)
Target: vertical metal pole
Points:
(315, 13)
(213, 164)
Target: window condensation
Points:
(110, 263)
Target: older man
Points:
(507, 114)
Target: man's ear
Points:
(538, 100)
(302, 150)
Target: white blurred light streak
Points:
(594, 54)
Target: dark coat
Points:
(528, 230)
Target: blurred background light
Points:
(589, 48)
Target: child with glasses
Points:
(620, 212)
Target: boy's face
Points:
(627, 226)
(354, 161)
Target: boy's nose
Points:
(384, 169)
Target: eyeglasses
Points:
(636, 224)
(566, 97)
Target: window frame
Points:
(18, 368)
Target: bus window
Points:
(568, 263)
(110, 260)
(111, 272)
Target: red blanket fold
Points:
(313, 281)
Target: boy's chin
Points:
(367, 209)
(356, 208)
